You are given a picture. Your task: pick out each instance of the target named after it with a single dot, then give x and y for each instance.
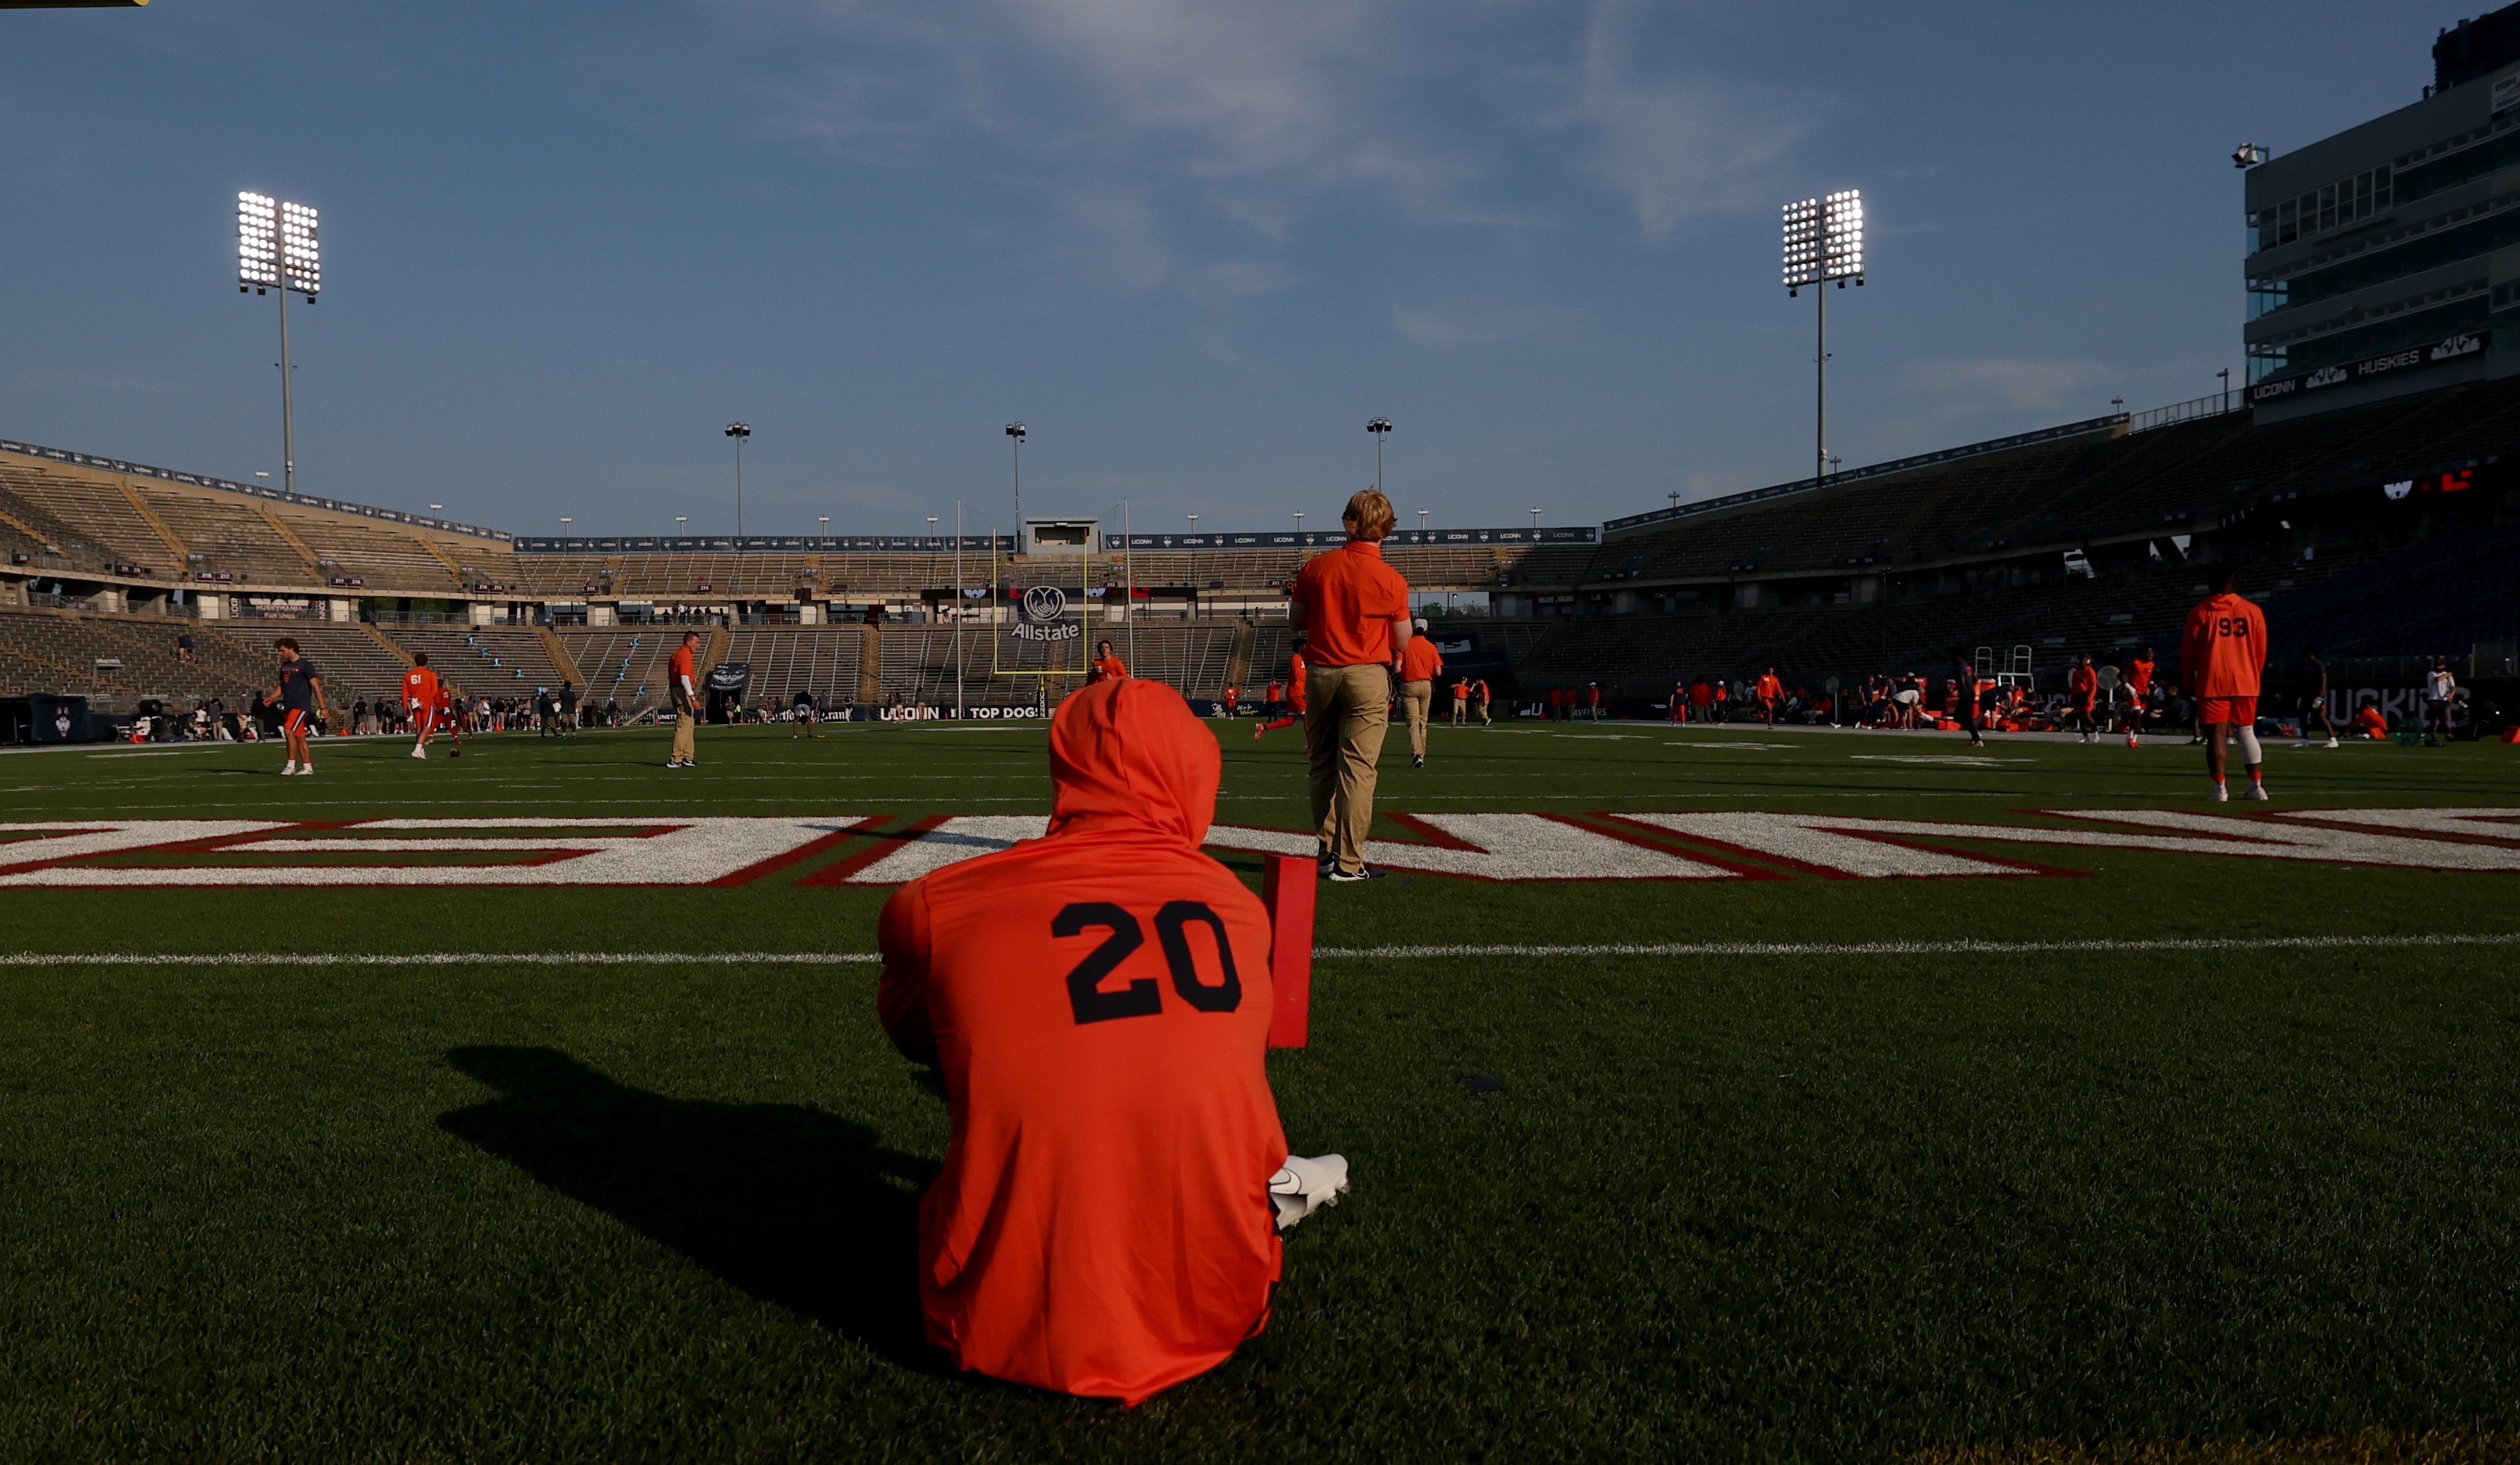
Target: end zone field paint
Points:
(681, 850)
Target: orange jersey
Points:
(1107, 668)
(1096, 1004)
(1771, 689)
(2138, 676)
(420, 687)
(1350, 599)
(1296, 677)
(2223, 649)
(2085, 684)
(1420, 661)
(678, 674)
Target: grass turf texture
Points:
(2076, 1205)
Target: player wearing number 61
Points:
(1097, 1004)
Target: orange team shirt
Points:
(2085, 683)
(679, 670)
(2138, 676)
(1296, 676)
(1350, 599)
(1771, 689)
(1420, 661)
(1479, 689)
(420, 687)
(1096, 1004)
(1108, 667)
(2223, 649)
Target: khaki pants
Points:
(1347, 710)
(1460, 711)
(1416, 698)
(687, 720)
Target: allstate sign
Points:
(1045, 611)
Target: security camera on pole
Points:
(1016, 430)
(740, 433)
(277, 250)
(1823, 245)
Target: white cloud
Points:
(1224, 113)
(1477, 322)
(2018, 383)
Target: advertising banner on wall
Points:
(2453, 349)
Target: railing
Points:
(1871, 471)
(2189, 411)
(338, 506)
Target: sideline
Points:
(1324, 953)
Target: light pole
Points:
(1194, 524)
(740, 433)
(437, 507)
(1380, 428)
(1299, 528)
(2226, 375)
(275, 249)
(679, 520)
(1535, 521)
(1016, 430)
(565, 523)
(827, 524)
(1823, 245)
(1421, 525)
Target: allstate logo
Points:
(1045, 602)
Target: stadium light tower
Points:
(1380, 428)
(1823, 245)
(742, 433)
(1016, 430)
(277, 250)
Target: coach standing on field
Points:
(682, 683)
(1354, 610)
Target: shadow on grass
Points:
(796, 1207)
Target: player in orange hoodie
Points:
(420, 696)
(1294, 693)
(1097, 1004)
(2222, 654)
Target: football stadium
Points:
(1767, 976)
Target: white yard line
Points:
(1325, 953)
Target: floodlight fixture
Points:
(1421, 525)
(1824, 240)
(2249, 156)
(1823, 245)
(1380, 428)
(257, 242)
(277, 248)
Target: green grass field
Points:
(1856, 1200)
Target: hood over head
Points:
(1132, 751)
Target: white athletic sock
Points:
(2250, 752)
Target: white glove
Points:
(1301, 1186)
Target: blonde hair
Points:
(1369, 515)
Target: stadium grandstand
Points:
(2380, 533)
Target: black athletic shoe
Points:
(1418, 763)
(1362, 872)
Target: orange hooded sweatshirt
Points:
(1097, 1002)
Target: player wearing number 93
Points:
(1097, 1004)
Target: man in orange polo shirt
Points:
(1420, 661)
(1106, 1222)
(2221, 656)
(1354, 610)
(1106, 666)
(681, 684)
(1771, 692)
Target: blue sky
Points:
(1193, 245)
